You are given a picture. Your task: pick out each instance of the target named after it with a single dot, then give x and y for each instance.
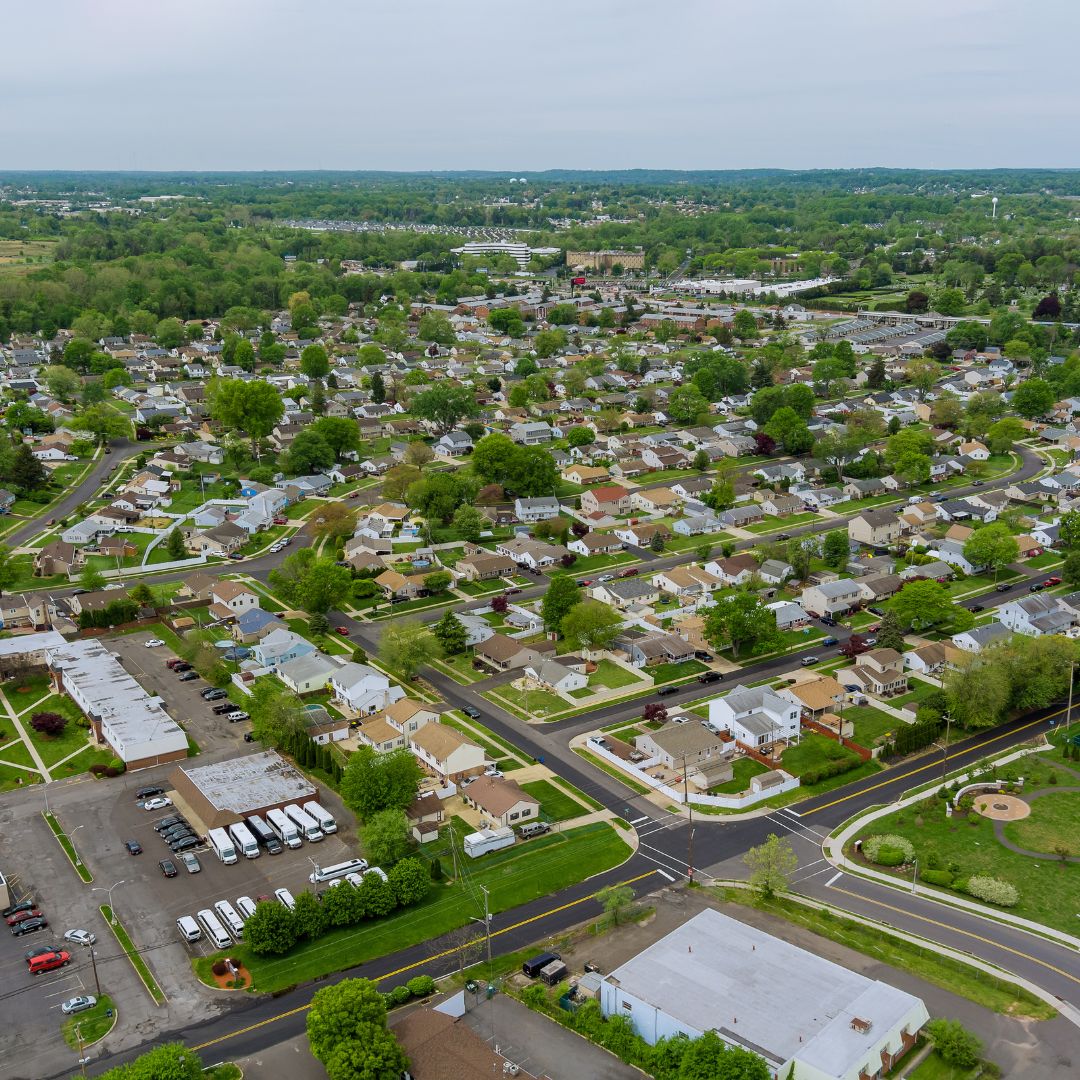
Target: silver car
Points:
(78, 1004)
(80, 937)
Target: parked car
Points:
(221, 710)
(49, 960)
(191, 862)
(701, 654)
(22, 916)
(189, 676)
(279, 520)
(584, 583)
(285, 897)
(30, 926)
(1050, 581)
(23, 905)
(511, 591)
(167, 867)
(158, 802)
(709, 677)
(827, 620)
(207, 692)
(181, 665)
(470, 711)
(133, 847)
(148, 793)
(1003, 587)
(235, 556)
(168, 822)
(237, 716)
(808, 660)
(80, 937)
(665, 690)
(342, 630)
(1037, 586)
(185, 844)
(830, 641)
(216, 695)
(78, 1004)
(631, 571)
(153, 643)
(976, 608)
(248, 737)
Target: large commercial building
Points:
(809, 1018)
(228, 791)
(605, 260)
(521, 253)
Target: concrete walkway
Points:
(27, 741)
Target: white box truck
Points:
(222, 845)
(323, 818)
(480, 843)
(246, 844)
(286, 831)
(308, 826)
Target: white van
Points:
(189, 928)
(285, 897)
(246, 906)
(213, 928)
(228, 915)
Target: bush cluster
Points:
(833, 768)
(993, 890)
(274, 930)
(943, 878)
(888, 849)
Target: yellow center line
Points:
(418, 964)
(929, 765)
(965, 933)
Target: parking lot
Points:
(182, 700)
(101, 816)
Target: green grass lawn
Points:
(28, 690)
(539, 702)
(514, 876)
(665, 673)
(93, 1024)
(743, 771)
(554, 804)
(612, 676)
(1053, 823)
(692, 543)
(1049, 889)
(1047, 558)
(73, 737)
(813, 752)
(935, 1067)
(918, 692)
(775, 524)
(460, 668)
(871, 725)
(591, 563)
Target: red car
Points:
(631, 572)
(342, 630)
(584, 583)
(281, 521)
(1051, 581)
(22, 916)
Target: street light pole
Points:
(690, 837)
(945, 746)
(109, 890)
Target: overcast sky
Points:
(480, 84)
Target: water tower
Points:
(993, 204)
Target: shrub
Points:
(400, 994)
(937, 877)
(421, 986)
(956, 1045)
(833, 768)
(48, 723)
(993, 891)
(219, 968)
(885, 846)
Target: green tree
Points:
(314, 584)
(789, 430)
(890, 634)
(922, 603)
(62, 382)
(250, 408)
(1070, 570)
(92, 579)
(309, 919)
(469, 523)
(309, 452)
(271, 930)
(616, 900)
(386, 837)
(142, 594)
(102, 422)
(686, 405)
(314, 362)
(378, 386)
(1069, 530)
(1004, 434)
(745, 325)
(172, 1061)
(549, 342)
(174, 545)
(1033, 398)
(956, 1045)
(992, 545)
(347, 1032)
(701, 461)
(741, 620)
(409, 881)
(562, 594)
(710, 1058)
(332, 520)
(405, 647)
(435, 327)
(340, 432)
(771, 865)
(591, 625)
(445, 406)
(450, 634)
(170, 334)
(438, 582)
(508, 321)
(373, 782)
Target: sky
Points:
(589, 84)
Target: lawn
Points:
(918, 692)
(554, 804)
(967, 845)
(814, 752)
(27, 691)
(693, 543)
(1052, 824)
(591, 563)
(618, 774)
(773, 524)
(665, 673)
(612, 676)
(743, 771)
(460, 668)
(514, 876)
(529, 703)
(93, 1024)
(16, 753)
(871, 725)
(935, 1067)
(1047, 558)
(74, 737)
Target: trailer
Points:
(480, 843)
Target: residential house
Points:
(557, 675)
(505, 653)
(641, 535)
(875, 528)
(879, 672)
(780, 504)
(687, 581)
(485, 567)
(815, 696)
(306, 674)
(789, 615)
(696, 524)
(625, 592)
(608, 499)
(980, 637)
(830, 597)
(501, 801)
(58, 558)
(540, 509)
(755, 716)
(877, 587)
(455, 444)
(680, 746)
(735, 570)
(408, 715)
(533, 433)
(279, 647)
(220, 540)
(930, 659)
(585, 474)
(738, 517)
(645, 647)
(775, 571)
(655, 500)
(595, 544)
(363, 689)
(230, 599)
(532, 553)
(253, 625)
(446, 753)
(399, 586)
(1036, 616)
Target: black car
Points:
(189, 676)
(709, 676)
(471, 711)
(701, 654)
(182, 666)
(827, 620)
(248, 737)
(168, 867)
(29, 926)
(215, 695)
(186, 844)
(1003, 587)
(133, 847)
(176, 832)
(207, 692)
(41, 950)
(148, 793)
(169, 822)
(976, 607)
(24, 905)
(665, 690)
(221, 710)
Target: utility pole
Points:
(945, 746)
(82, 1059)
(690, 811)
(1068, 711)
(490, 984)
(93, 960)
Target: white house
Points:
(363, 689)
(1035, 616)
(755, 716)
(831, 597)
(306, 674)
(557, 676)
(541, 509)
(980, 637)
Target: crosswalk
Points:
(809, 866)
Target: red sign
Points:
(579, 281)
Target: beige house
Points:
(504, 653)
(396, 585)
(485, 567)
(444, 752)
(682, 745)
(815, 696)
(409, 716)
(609, 499)
(875, 528)
(880, 671)
(501, 801)
(379, 734)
